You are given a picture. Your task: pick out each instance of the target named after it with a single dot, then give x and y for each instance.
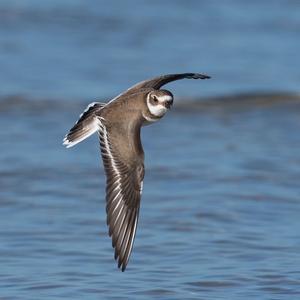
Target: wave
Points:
(251, 99)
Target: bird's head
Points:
(158, 103)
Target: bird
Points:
(118, 124)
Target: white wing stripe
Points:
(87, 108)
(107, 148)
(89, 130)
(132, 239)
(141, 188)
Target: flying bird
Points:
(118, 124)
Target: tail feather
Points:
(85, 126)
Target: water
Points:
(74, 49)
(220, 208)
(219, 216)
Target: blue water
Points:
(219, 216)
(88, 49)
(220, 209)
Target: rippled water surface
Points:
(219, 216)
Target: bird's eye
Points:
(155, 100)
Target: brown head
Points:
(158, 102)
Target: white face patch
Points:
(159, 109)
(164, 98)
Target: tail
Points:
(85, 126)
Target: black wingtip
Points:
(199, 76)
(122, 266)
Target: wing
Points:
(85, 126)
(123, 190)
(158, 82)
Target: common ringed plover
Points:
(118, 124)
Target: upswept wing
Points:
(157, 82)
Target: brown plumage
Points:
(118, 124)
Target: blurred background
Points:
(86, 49)
(220, 209)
